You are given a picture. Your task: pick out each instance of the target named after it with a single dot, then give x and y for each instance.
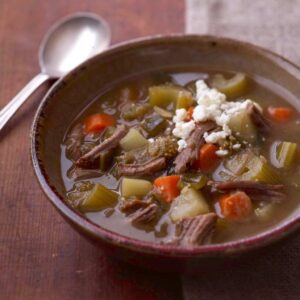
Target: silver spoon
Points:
(68, 43)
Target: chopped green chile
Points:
(243, 128)
(283, 154)
(154, 125)
(194, 180)
(184, 100)
(163, 95)
(135, 111)
(79, 193)
(252, 167)
(105, 160)
(100, 197)
(233, 86)
(258, 169)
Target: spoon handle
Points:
(10, 109)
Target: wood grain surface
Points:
(41, 257)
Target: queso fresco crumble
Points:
(211, 106)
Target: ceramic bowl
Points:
(73, 92)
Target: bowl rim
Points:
(116, 239)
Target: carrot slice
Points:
(168, 187)
(280, 114)
(208, 159)
(189, 115)
(236, 206)
(97, 122)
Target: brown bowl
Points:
(74, 91)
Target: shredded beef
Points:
(88, 159)
(128, 206)
(146, 168)
(255, 190)
(76, 173)
(145, 215)
(188, 155)
(195, 231)
(74, 141)
(259, 120)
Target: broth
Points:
(135, 90)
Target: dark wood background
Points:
(41, 257)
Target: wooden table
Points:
(41, 257)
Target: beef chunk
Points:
(259, 120)
(89, 158)
(195, 231)
(146, 215)
(147, 168)
(255, 190)
(188, 155)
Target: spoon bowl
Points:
(72, 41)
(67, 44)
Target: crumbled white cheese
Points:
(151, 140)
(181, 145)
(204, 113)
(236, 146)
(180, 115)
(212, 106)
(222, 119)
(215, 137)
(183, 129)
(207, 96)
(231, 108)
(222, 152)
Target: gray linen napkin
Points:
(273, 24)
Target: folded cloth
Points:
(273, 24)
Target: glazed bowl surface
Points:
(72, 93)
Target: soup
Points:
(184, 157)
